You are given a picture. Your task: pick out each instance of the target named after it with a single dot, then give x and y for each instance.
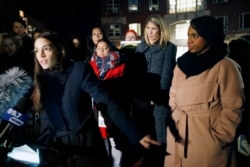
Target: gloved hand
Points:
(243, 145)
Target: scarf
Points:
(105, 63)
(192, 64)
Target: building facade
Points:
(117, 16)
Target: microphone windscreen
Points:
(15, 83)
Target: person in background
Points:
(206, 103)
(19, 27)
(11, 55)
(36, 33)
(62, 97)
(239, 50)
(128, 49)
(155, 61)
(19, 38)
(96, 33)
(110, 68)
(77, 48)
(131, 35)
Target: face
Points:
(76, 42)
(196, 44)
(18, 28)
(19, 39)
(102, 49)
(45, 53)
(96, 35)
(130, 37)
(9, 46)
(153, 32)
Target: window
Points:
(181, 6)
(224, 22)
(178, 33)
(154, 5)
(219, 1)
(114, 30)
(244, 20)
(113, 6)
(181, 30)
(132, 5)
(136, 27)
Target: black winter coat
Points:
(69, 124)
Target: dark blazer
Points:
(156, 66)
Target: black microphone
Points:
(15, 86)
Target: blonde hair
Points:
(164, 31)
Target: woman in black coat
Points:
(62, 96)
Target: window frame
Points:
(242, 22)
(224, 20)
(154, 5)
(113, 6)
(133, 6)
(114, 30)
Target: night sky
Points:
(67, 17)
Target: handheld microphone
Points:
(15, 84)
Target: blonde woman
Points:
(156, 60)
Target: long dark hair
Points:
(39, 79)
(91, 46)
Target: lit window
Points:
(132, 5)
(178, 33)
(114, 30)
(136, 27)
(154, 5)
(181, 6)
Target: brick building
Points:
(117, 16)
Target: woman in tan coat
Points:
(206, 98)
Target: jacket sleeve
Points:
(118, 115)
(231, 89)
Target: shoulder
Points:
(82, 65)
(229, 63)
(228, 66)
(141, 47)
(171, 45)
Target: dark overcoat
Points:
(69, 124)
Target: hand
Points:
(243, 146)
(146, 141)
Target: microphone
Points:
(15, 86)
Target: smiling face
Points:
(46, 53)
(196, 44)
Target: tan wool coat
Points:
(206, 108)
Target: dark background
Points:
(67, 17)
